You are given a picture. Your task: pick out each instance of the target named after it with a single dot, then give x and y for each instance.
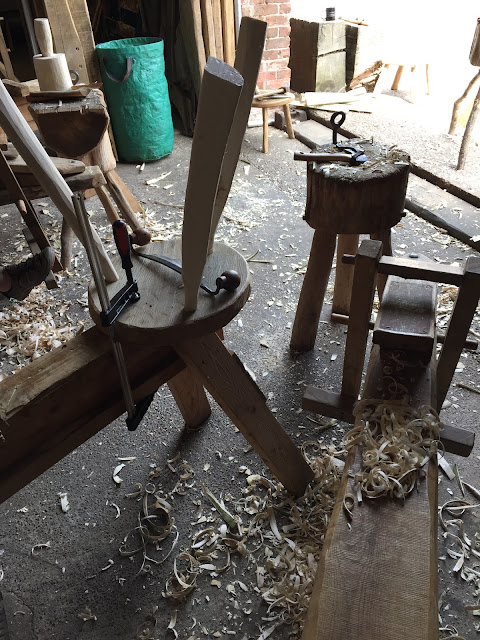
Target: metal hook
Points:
(336, 120)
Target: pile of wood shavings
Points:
(397, 442)
(33, 327)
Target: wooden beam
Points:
(208, 28)
(251, 42)
(377, 576)
(228, 31)
(56, 403)
(219, 95)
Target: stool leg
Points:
(344, 274)
(265, 130)
(190, 397)
(398, 76)
(288, 121)
(313, 291)
(235, 391)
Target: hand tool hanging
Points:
(353, 154)
(112, 309)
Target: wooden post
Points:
(363, 290)
(458, 326)
(190, 397)
(232, 387)
(346, 243)
(313, 291)
(221, 87)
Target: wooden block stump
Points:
(346, 200)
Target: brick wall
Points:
(274, 71)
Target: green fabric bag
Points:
(133, 74)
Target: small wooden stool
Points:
(273, 103)
(346, 201)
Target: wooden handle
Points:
(44, 36)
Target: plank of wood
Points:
(217, 23)
(228, 31)
(81, 19)
(238, 395)
(251, 41)
(363, 290)
(219, 95)
(208, 28)
(190, 397)
(56, 403)
(344, 274)
(406, 318)
(191, 29)
(458, 326)
(66, 37)
(65, 166)
(9, 72)
(44, 170)
(313, 291)
(417, 269)
(385, 559)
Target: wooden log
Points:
(221, 87)
(44, 170)
(364, 199)
(238, 395)
(60, 400)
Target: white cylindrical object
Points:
(52, 72)
(44, 36)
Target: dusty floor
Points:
(51, 592)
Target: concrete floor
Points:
(46, 591)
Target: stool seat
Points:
(273, 103)
(159, 315)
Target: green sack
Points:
(133, 74)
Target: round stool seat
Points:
(273, 103)
(159, 316)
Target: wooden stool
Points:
(273, 103)
(346, 201)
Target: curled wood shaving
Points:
(397, 440)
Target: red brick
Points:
(273, 54)
(272, 32)
(285, 7)
(284, 31)
(278, 43)
(266, 75)
(278, 65)
(278, 20)
(266, 9)
(283, 74)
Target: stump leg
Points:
(190, 397)
(344, 274)
(385, 237)
(225, 378)
(313, 291)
